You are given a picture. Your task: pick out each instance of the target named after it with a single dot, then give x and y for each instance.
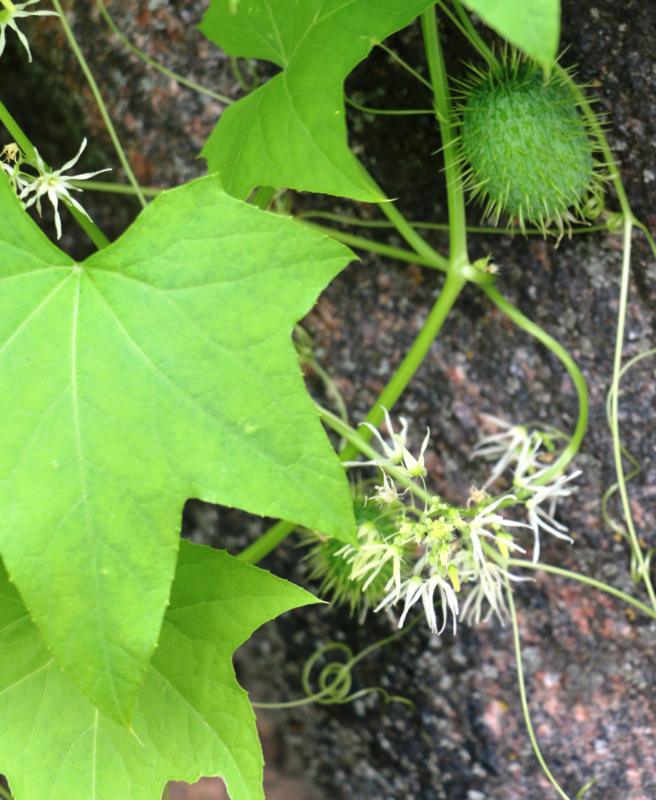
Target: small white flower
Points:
(539, 518)
(504, 446)
(417, 588)
(371, 558)
(415, 466)
(56, 186)
(489, 589)
(484, 518)
(16, 178)
(398, 440)
(8, 17)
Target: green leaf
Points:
(292, 132)
(160, 369)
(531, 25)
(192, 718)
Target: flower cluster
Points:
(432, 549)
(55, 185)
(529, 454)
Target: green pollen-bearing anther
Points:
(527, 146)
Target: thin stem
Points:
(444, 112)
(116, 188)
(184, 81)
(89, 227)
(436, 261)
(522, 692)
(474, 38)
(10, 7)
(405, 66)
(363, 446)
(267, 542)
(101, 104)
(246, 87)
(565, 573)
(570, 365)
(387, 111)
(621, 319)
(433, 226)
(645, 230)
(615, 388)
(410, 364)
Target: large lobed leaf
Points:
(192, 718)
(292, 132)
(531, 25)
(160, 369)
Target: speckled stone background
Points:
(589, 662)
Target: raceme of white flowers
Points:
(47, 183)
(8, 16)
(435, 550)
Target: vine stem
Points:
(101, 104)
(452, 287)
(615, 389)
(444, 112)
(522, 692)
(89, 227)
(629, 220)
(168, 72)
(565, 573)
(570, 365)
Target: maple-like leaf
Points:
(192, 718)
(292, 131)
(160, 369)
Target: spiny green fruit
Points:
(335, 572)
(527, 146)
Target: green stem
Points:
(190, 84)
(436, 261)
(89, 227)
(444, 111)
(10, 7)
(116, 188)
(391, 112)
(433, 226)
(452, 287)
(522, 692)
(267, 542)
(621, 321)
(101, 104)
(362, 446)
(474, 38)
(615, 389)
(405, 66)
(570, 365)
(565, 573)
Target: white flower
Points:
(505, 446)
(56, 186)
(484, 518)
(398, 440)
(539, 518)
(415, 466)
(417, 588)
(489, 588)
(16, 178)
(372, 558)
(8, 15)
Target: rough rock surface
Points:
(589, 662)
